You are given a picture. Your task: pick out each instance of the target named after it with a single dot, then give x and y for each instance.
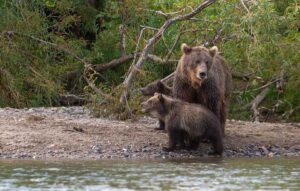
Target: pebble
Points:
(96, 148)
(270, 154)
(264, 150)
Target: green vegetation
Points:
(264, 43)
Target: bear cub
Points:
(193, 121)
(157, 87)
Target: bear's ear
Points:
(160, 84)
(185, 48)
(213, 51)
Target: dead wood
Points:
(127, 58)
(289, 113)
(122, 40)
(239, 76)
(71, 99)
(257, 100)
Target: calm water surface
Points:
(206, 174)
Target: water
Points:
(206, 174)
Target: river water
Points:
(205, 174)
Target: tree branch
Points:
(122, 40)
(255, 103)
(244, 6)
(160, 13)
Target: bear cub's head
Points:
(197, 62)
(150, 89)
(154, 105)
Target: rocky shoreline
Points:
(73, 133)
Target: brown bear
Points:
(194, 121)
(203, 77)
(157, 87)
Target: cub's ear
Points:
(185, 48)
(159, 84)
(213, 51)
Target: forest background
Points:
(62, 52)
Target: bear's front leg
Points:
(173, 139)
(161, 125)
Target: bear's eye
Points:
(197, 62)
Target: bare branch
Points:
(88, 67)
(169, 79)
(266, 85)
(69, 76)
(124, 59)
(113, 63)
(290, 112)
(217, 35)
(122, 40)
(244, 6)
(71, 99)
(250, 24)
(177, 38)
(245, 77)
(144, 54)
(160, 13)
(148, 27)
(255, 103)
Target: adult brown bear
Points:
(203, 77)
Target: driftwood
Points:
(70, 99)
(150, 43)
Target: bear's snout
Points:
(201, 71)
(202, 75)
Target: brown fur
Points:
(213, 89)
(193, 120)
(157, 87)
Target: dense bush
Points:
(263, 42)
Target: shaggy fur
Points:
(157, 87)
(203, 77)
(194, 121)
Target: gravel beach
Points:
(73, 133)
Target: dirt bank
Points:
(71, 133)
